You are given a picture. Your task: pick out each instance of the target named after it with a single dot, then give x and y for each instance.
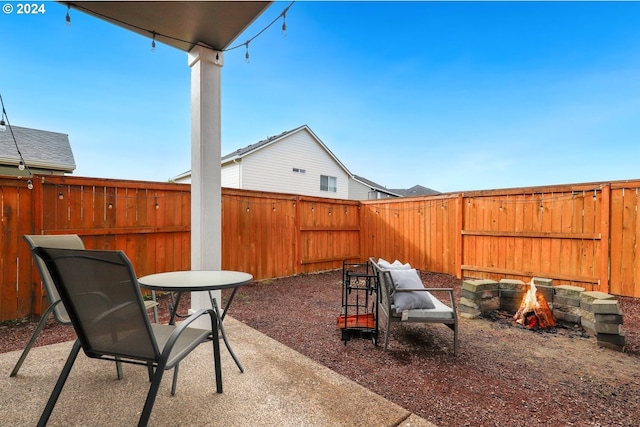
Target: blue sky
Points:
(454, 96)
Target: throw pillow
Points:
(409, 279)
(397, 265)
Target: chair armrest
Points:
(173, 338)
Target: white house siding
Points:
(231, 175)
(270, 168)
(358, 191)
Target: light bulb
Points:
(30, 185)
(153, 42)
(21, 165)
(3, 126)
(68, 17)
(284, 28)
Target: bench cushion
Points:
(441, 311)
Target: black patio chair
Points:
(101, 294)
(61, 241)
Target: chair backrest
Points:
(63, 241)
(102, 296)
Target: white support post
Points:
(206, 198)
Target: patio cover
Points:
(202, 29)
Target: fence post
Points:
(298, 238)
(459, 242)
(605, 244)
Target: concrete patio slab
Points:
(279, 387)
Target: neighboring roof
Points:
(416, 190)
(241, 152)
(251, 148)
(376, 187)
(39, 148)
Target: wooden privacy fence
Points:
(583, 234)
(265, 234)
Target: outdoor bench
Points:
(391, 289)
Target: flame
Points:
(530, 299)
(529, 303)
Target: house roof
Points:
(376, 187)
(251, 148)
(40, 149)
(416, 190)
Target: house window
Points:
(328, 183)
(298, 170)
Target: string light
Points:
(217, 62)
(284, 23)
(177, 39)
(67, 18)
(4, 121)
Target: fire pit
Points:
(534, 312)
(540, 305)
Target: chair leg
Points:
(386, 335)
(119, 368)
(151, 397)
(216, 352)
(41, 323)
(174, 383)
(55, 394)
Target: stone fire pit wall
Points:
(597, 312)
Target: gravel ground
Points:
(504, 375)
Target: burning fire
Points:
(534, 312)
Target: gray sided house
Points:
(294, 162)
(44, 152)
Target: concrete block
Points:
(616, 339)
(468, 294)
(511, 284)
(586, 306)
(468, 312)
(569, 291)
(607, 328)
(466, 302)
(615, 319)
(512, 293)
(475, 285)
(605, 307)
(538, 281)
(589, 326)
(587, 315)
(590, 296)
(566, 316)
(566, 300)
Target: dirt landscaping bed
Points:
(504, 375)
